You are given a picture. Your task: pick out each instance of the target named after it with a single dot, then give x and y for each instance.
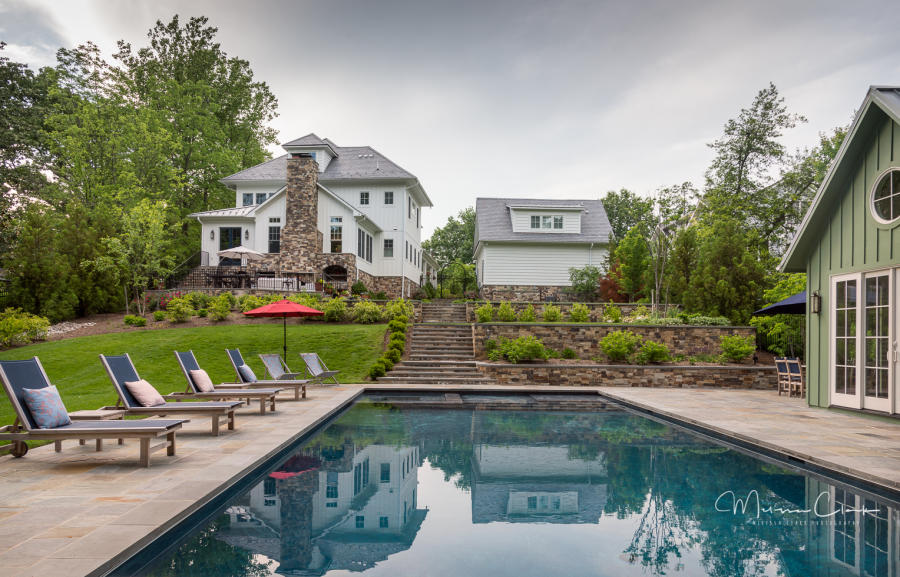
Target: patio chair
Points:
(316, 368)
(29, 374)
(121, 370)
(277, 368)
(237, 361)
(188, 363)
(795, 378)
(784, 377)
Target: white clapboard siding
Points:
(535, 264)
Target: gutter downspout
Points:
(591, 255)
(403, 260)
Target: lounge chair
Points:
(188, 363)
(29, 374)
(316, 368)
(784, 377)
(237, 360)
(121, 370)
(795, 376)
(277, 368)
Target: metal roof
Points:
(878, 100)
(240, 211)
(493, 222)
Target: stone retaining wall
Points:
(596, 309)
(584, 338)
(583, 375)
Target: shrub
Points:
(19, 328)
(379, 296)
(249, 302)
(198, 300)
(202, 313)
(394, 355)
(310, 300)
(358, 288)
(485, 313)
(179, 310)
(639, 313)
(585, 281)
(166, 298)
(736, 348)
(490, 345)
(396, 346)
(135, 321)
(552, 314)
(527, 315)
(335, 310)
(522, 349)
(580, 313)
(377, 370)
(397, 325)
(505, 312)
(398, 308)
(652, 352)
(702, 321)
(620, 345)
(232, 300)
(612, 313)
(220, 307)
(552, 353)
(159, 315)
(366, 313)
(398, 338)
(429, 290)
(568, 353)
(387, 362)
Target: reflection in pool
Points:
(386, 490)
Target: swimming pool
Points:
(498, 488)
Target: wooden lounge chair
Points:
(188, 363)
(277, 368)
(121, 370)
(316, 368)
(299, 385)
(795, 378)
(19, 375)
(784, 377)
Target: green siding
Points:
(850, 241)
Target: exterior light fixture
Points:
(815, 303)
(247, 234)
(212, 235)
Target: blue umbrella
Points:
(793, 305)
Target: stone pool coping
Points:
(81, 513)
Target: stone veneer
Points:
(584, 338)
(584, 375)
(595, 310)
(299, 238)
(521, 292)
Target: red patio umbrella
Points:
(284, 309)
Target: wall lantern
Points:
(815, 303)
(247, 234)
(212, 235)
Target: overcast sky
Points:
(519, 98)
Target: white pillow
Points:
(144, 393)
(202, 381)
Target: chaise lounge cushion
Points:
(247, 373)
(46, 407)
(144, 393)
(202, 381)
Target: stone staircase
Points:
(440, 350)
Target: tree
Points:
(455, 240)
(746, 154)
(672, 210)
(633, 258)
(729, 279)
(585, 281)
(625, 210)
(683, 259)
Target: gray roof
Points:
(310, 139)
(239, 211)
(493, 223)
(351, 163)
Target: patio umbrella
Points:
(284, 309)
(241, 252)
(793, 305)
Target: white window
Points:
(546, 222)
(557, 222)
(388, 248)
(261, 197)
(247, 198)
(535, 221)
(886, 197)
(364, 245)
(363, 198)
(337, 234)
(388, 197)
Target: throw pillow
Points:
(144, 393)
(247, 374)
(46, 407)
(202, 381)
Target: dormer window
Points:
(535, 221)
(546, 222)
(558, 222)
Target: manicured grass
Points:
(74, 367)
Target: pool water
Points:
(393, 490)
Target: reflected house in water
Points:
(345, 508)
(547, 484)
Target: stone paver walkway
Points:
(863, 446)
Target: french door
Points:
(865, 326)
(229, 237)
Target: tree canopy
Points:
(455, 240)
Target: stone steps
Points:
(412, 380)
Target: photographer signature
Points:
(728, 501)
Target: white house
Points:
(339, 213)
(524, 248)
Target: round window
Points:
(886, 197)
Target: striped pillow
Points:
(46, 407)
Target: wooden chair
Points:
(188, 363)
(121, 370)
(784, 377)
(19, 375)
(795, 378)
(237, 360)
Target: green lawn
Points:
(74, 367)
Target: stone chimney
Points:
(299, 234)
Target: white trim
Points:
(871, 202)
(841, 399)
